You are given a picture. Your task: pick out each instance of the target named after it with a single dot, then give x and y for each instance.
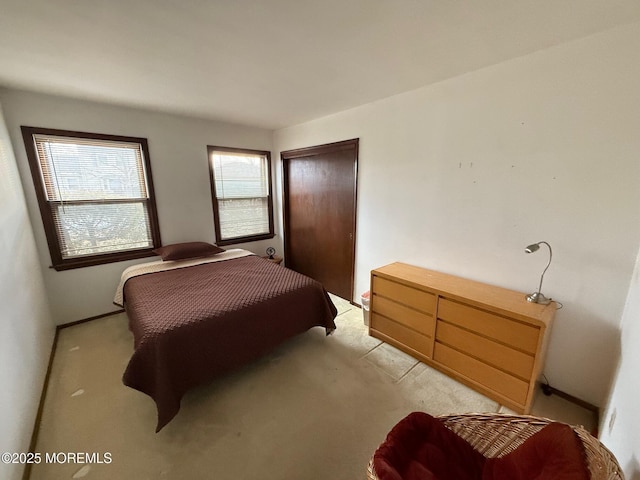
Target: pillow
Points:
(183, 251)
(553, 453)
(421, 447)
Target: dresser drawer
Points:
(405, 335)
(412, 297)
(409, 317)
(482, 374)
(495, 354)
(501, 329)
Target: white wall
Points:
(178, 150)
(620, 425)
(26, 328)
(460, 176)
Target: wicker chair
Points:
(495, 435)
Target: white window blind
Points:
(97, 192)
(242, 194)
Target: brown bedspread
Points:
(195, 323)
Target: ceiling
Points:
(274, 63)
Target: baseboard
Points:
(549, 390)
(36, 424)
(84, 320)
(43, 395)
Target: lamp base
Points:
(538, 297)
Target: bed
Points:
(195, 319)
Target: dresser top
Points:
(481, 295)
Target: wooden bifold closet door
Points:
(319, 187)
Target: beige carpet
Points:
(316, 408)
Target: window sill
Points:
(101, 259)
(253, 238)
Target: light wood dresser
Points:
(487, 337)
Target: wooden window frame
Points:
(58, 262)
(211, 149)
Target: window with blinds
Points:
(241, 194)
(95, 195)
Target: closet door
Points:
(319, 187)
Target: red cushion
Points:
(420, 447)
(553, 453)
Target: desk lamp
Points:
(538, 297)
